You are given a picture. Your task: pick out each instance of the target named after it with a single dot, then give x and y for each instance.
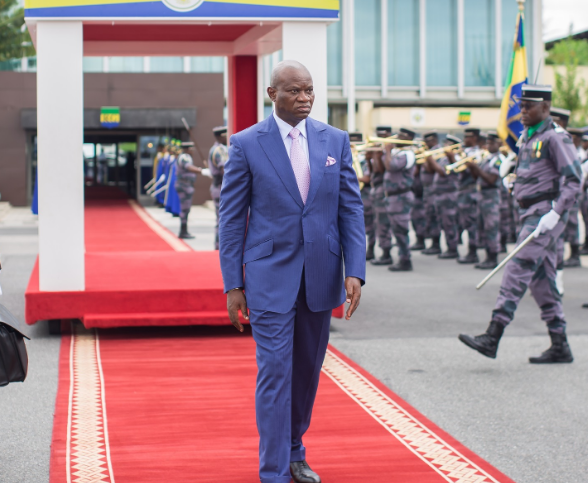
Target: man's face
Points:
(577, 140)
(431, 141)
(222, 138)
(533, 112)
(585, 145)
(493, 145)
(470, 140)
(293, 95)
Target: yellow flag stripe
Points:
(314, 4)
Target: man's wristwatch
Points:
(233, 289)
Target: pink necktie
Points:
(299, 165)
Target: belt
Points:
(399, 192)
(528, 202)
(484, 188)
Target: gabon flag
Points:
(510, 126)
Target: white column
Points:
(306, 42)
(460, 49)
(498, 49)
(423, 48)
(538, 54)
(146, 64)
(384, 44)
(260, 89)
(187, 66)
(60, 167)
(105, 64)
(349, 61)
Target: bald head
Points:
(291, 91)
(287, 70)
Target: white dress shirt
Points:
(285, 129)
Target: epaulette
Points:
(557, 128)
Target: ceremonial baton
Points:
(507, 259)
(187, 126)
(159, 181)
(148, 185)
(155, 193)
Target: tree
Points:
(15, 41)
(568, 50)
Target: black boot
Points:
(503, 244)
(385, 259)
(584, 249)
(434, 249)
(574, 260)
(184, 232)
(487, 343)
(490, 263)
(449, 255)
(420, 244)
(558, 352)
(369, 254)
(471, 257)
(404, 265)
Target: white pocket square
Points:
(330, 161)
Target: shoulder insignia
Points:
(558, 129)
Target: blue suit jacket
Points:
(265, 226)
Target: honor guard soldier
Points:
(445, 186)
(378, 195)
(398, 182)
(584, 195)
(572, 233)
(560, 116)
(427, 175)
(362, 166)
(487, 175)
(217, 157)
(546, 187)
(467, 201)
(507, 218)
(185, 179)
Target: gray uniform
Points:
(185, 185)
(584, 201)
(398, 181)
(489, 209)
(546, 177)
(467, 200)
(418, 214)
(446, 203)
(378, 198)
(432, 228)
(217, 157)
(368, 209)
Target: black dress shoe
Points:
(487, 343)
(369, 254)
(401, 266)
(490, 263)
(419, 245)
(585, 306)
(301, 473)
(385, 259)
(559, 352)
(449, 255)
(471, 257)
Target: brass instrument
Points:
(357, 168)
(392, 140)
(461, 165)
(437, 153)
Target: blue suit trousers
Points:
(290, 352)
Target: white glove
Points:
(206, 172)
(546, 223)
(506, 183)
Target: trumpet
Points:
(460, 165)
(392, 140)
(437, 153)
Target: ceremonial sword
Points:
(507, 259)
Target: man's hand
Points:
(353, 289)
(236, 301)
(547, 223)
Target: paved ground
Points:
(531, 422)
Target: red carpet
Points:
(176, 405)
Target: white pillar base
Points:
(306, 42)
(60, 121)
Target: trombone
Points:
(437, 153)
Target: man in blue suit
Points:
(291, 217)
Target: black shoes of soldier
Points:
(301, 473)
(449, 255)
(369, 254)
(574, 260)
(584, 249)
(434, 249)
(402, 266)
(487, 343)
(503, 244)
(385, 259)
(490, 263)
(419, 245)
(559, 352)
(184, 232)
(471, 257)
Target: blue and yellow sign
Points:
(464, 117)
(110, 117)
(217, 9)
